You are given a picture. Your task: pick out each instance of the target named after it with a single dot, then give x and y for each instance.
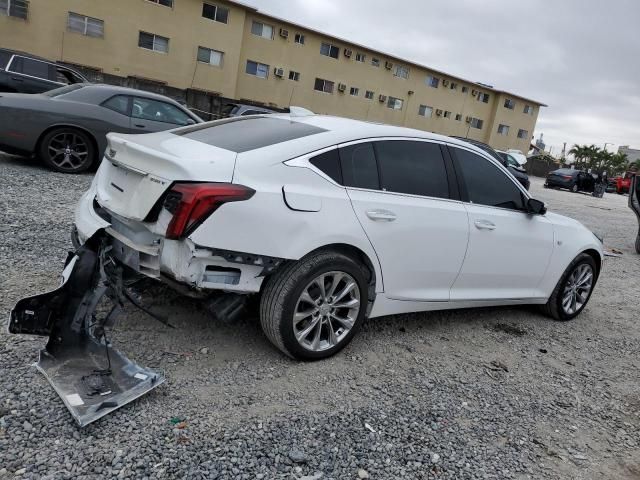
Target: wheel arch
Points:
(50, 128)
(597, 258)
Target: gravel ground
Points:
(494, 393)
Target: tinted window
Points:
(412, 167)
(486, 183)
(119, 103)
(242, 134)
(359, 167)
(66, 76)
(28, 66)
(4, 59)
(329, 163)
(147, 109)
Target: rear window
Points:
(4, 59)
(244, 134)
(565, 171)
(57, 92)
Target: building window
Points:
(329, 50)
(91, 27)
(166, 3)
(299, 38)
(528, 109)
(477, 123)
(509, 103)
(458, 116)
(432, 81)
(212, 57)
(215, 13)
(295, 76)
(453, 86)
(503, 129)
(447, 114)
(465, 89)
(425, 111)
(401, 71)
(483, 97)
(369, 95)
(153, 42)
(523, 133)
(258, 69)
(375, 62)
(355, 91)
(323, 85)
(361, 57)
(395, 103)
(262, 30)
(14, 8)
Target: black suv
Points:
(24, 73)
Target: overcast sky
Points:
(580, 57)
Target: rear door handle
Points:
(381, 215)
(485, 225)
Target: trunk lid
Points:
(138, 169)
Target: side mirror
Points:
(536, 207)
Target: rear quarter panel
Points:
(266, 225)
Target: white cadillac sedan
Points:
(329, 221)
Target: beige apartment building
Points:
(234, 51)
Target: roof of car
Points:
(114, 90)
(301, 133)
(24, 54)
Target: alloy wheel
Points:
(68, 151)
(577, 289)
(326, 311)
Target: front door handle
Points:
(139, 125)
(485, 225)
(381, 215)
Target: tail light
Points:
(192, 203)
(567, 177)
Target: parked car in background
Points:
(574, 180)
(510, 163)
(634, 203)
(242, 110)
(520, 157)
(67, 127)
(623, 183)
(24, 73)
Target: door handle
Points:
(16, 79)
(139, 125)
(485, 225)
(381, 215)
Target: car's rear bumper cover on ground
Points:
(91, 377)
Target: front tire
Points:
(311, 309)
(573, 291)
(67, 150)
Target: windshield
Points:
(63, 90)
(512, 162)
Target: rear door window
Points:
(486, 183)
(66, 76)
(359, 166)
(329, 164)
(412, 167)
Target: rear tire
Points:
(574, 189)
(296, 291)
(67, 150)
(578, 271)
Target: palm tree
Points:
(579, 153)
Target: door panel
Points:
(508, 254)
(420, 242)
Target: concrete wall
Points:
(117, 53)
